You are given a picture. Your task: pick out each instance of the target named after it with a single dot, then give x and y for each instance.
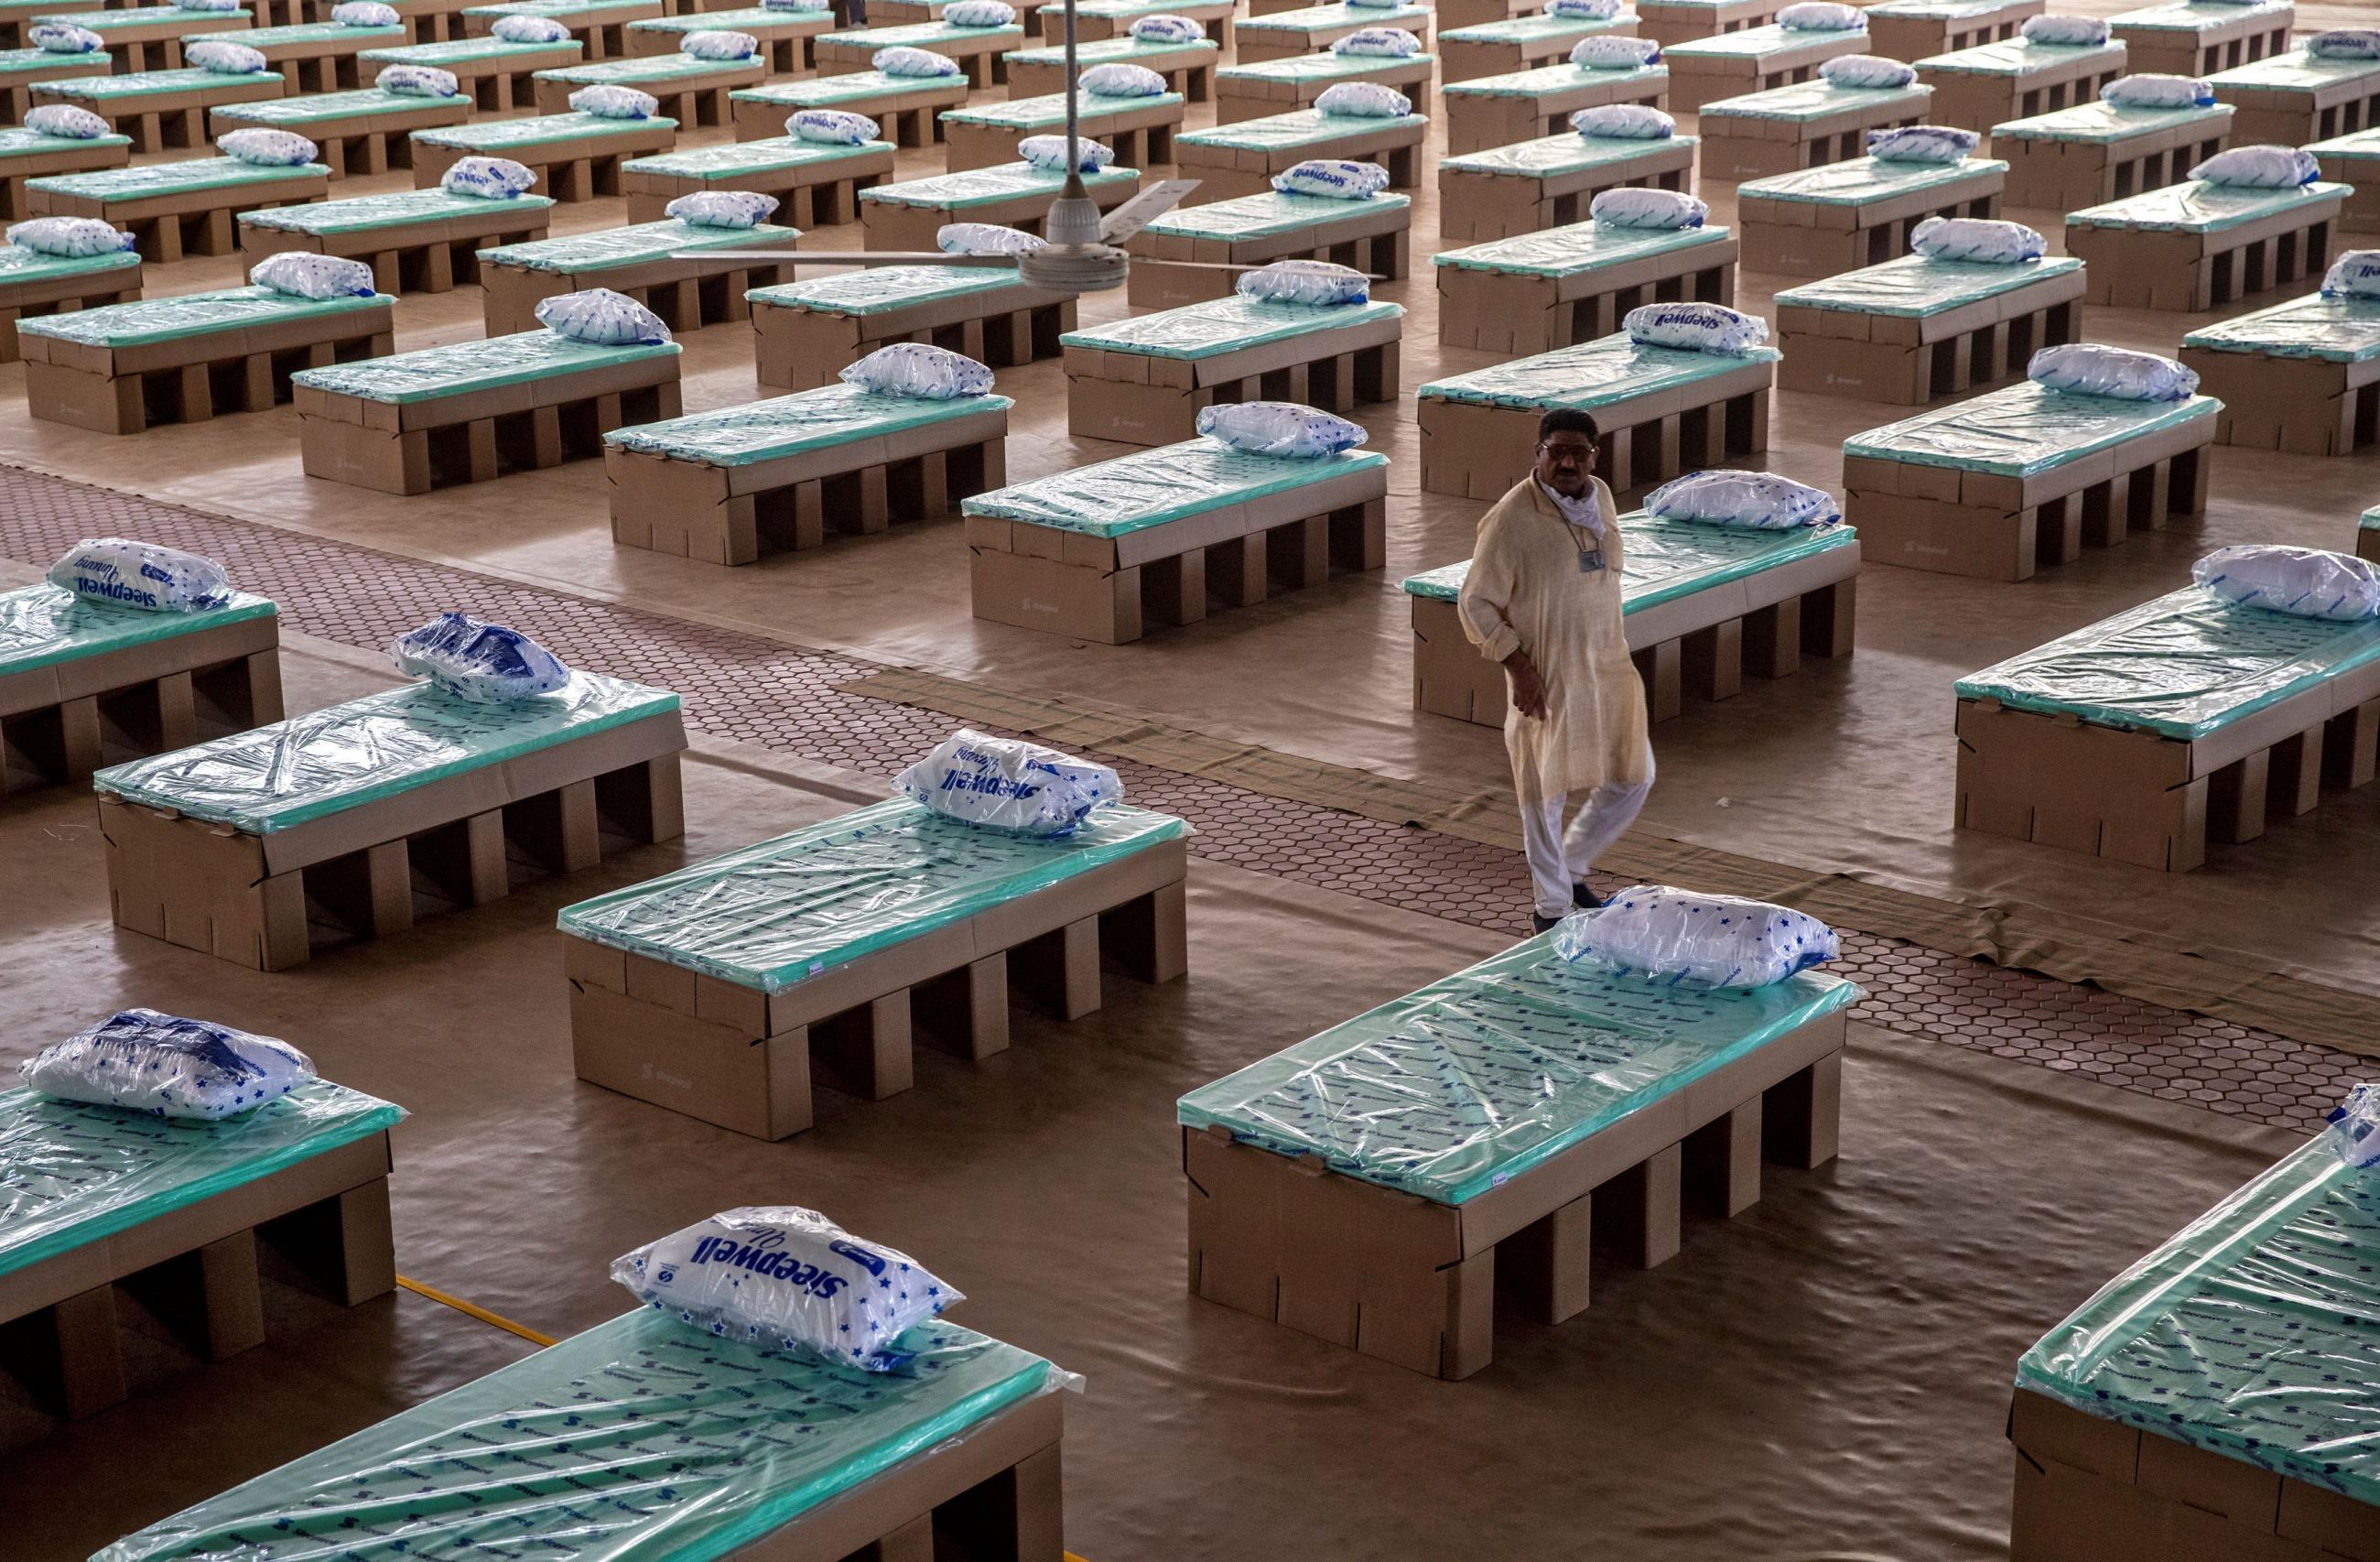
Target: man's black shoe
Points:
(1543, 924)
(1584, 899)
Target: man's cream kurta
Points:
(1525, 591)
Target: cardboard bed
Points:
(1188, 69)
(2290, 99)
(499, 77)
(1668, 23)
(2367, 534)
(415, 240)
(806, 333)
(1251, 89)
(906, 108)
(576, 156)
(817, 183)
(1551, 181)
(2200, 37)
(22, 69)
(728, 486)
(2188, 718)
(1372, 235)
(2301, 376)
(1098, 19)
(1545, 290)
(638, 261)
(80, 679)
(2021, 478)
(1492, 111)
(1138, 130)
(1704, 605)
(979, 51)
(33, 284)
(148, 38)
(1311, 29)
(1842, 215)
(29, 154)
(598, 27)
(1662, 411)
(693, 90)
(121, 368)
(1104, 551)
(727, 989)
(1144, 380)
(2096, 152)
(172, 1211)
(1520, 42)
(908, 214)
(788, 38)
(1361, 1186)
(1754, 59)
(316, 57)
(363, 815)
(1785, 129)
(2016, 79)
(470, 411)
(2196, 246)
(159, 109)
(2354, 161)
(426, 21)
(1916, 329)
(363, 133)
(177, 209)
(1242, 158)
(1912, 30)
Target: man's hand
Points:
(1528, 689)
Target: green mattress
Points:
(2361, 144)
(18, 265)
(1127, 50)
(1588, 374)
(147, 321)
(1916, 285)
(563, 11)
(2297, 71)
(637, 244)
(1272, 211)
(187, 178)
(827, 91)
(1546, 81)
(1322, 66)
(462, 51)
(457, 368)
(1037, 113)
(1298, 127)
(398, 208)
(2016, 56)
(1818, 98)
(2336, 330)
(310, 108)
(1663, 560)
(932, 35)
(1754, 43)
(646, 70)
(1863, 179)
(983, 186)
(2025, 429)
(1170, 482)
(106, 21)
(1325, 18)
(2194, 16)
(2195, 206)
(498, 136)
(1221, 326)
(2099, 123)
(726, 160)
(1579, 247)
(26, 62)
(306, 32)
(1548, 157)
(146, 83)
(43, 625)
(778, 426)
(1530, 30)
(865, 290)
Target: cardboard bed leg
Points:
(344, 1245)
(913, 1542)
(1772, 640)
(1642, 1204)
(73, 1358)
(1722, 1161)
(1801, 1122)
(965, 1011)
(1548, 1263)
(867, 1051)
(1150, 937)
(2236, 798)
(1062, 969)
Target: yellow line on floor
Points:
(481, 1314)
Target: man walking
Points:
(1543, 598)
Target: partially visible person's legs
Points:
(1541, 841)
(1610, 809)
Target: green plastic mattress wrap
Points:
(1917, 285)
(458, 368)
(1300, 127)
(185, 177)
(1221, 326)
(2195, 206)
(145, 16)
(1756, 43)
(398, 208)
(775, 914)
(307, 32)
(1552, 156)
(1863, 179)
(1548, 80)
(1321, 19)
(789, 425)
(314, 107)
(2195, 15)
(1321, 66)
(564, 11)
(78, 1172)
(2334, 330)
(43, 625)
(19, 264)
(1479, 1077)
(148, 83)
(1151, 487)
(876, 289)
(827, 91)
(461, 51)
(2361, 144)
(758, 19)
(19, 62)
(2370, 520)
(2253, 1332)
(1588, 374)
(933, 35)
(1935, 10)
(1029, 114)
(728, 159)
(1663, 560)
(642, 1438)
(496, 137)
(1818, 98)
(646, 70)
(1575, 248)
(637, 244)
(146, 320)
(2182, 666)
(274, 777)
(1273, 211)
(1125, 49)
(2102, 123)
(984, 186)
(2298, 71)
(2025, 429)
(1529, 30)
(1121, 11)
(2015, 57)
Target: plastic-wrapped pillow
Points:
(267, 149)
(2089, 369)
(530, 29)
(472, 659)
(2346, 43)
(2152, 91)
(1583, 11)
(64, 38)
(1379, 43)
(147, 576)
(167, 1067)
(1120, 79)
(1167, 30)
(1922, 143)
(2067, 30)
(1676, 935)
(607, 99)
(1615, 54)
(212, 7)
(1332, 177)
(1633, 206)
(305, 275)
(1987, 240)
(1757, 501)
(720, 44)
(1712, 328)
(1049, 152)
(2353, 1133)
(71, 236)
(2259, 167)
(786, 1278)
(832, 127)
(365, 13)
(1005, 783)
(1867, 70)
(1623, 122)
(987, 238)
(1374, 5)
(810, 6)
(218, 58)
(979, 13)
(918, 369)
(1319, 283)
(2306, 583)
(1363, 100)
(2355, 274)
(491, 178)
(417, 81)
(722, 208)
(904, 60)
(602, 318)
(1280, 428)
(1822, 16)
(66, 122)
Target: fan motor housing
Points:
(1075, 268)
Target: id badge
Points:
(1589, 560)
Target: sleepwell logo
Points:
(764, 1255)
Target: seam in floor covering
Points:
(790, 701)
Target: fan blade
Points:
(1144, 209)
(1222, 266)
(730, 259)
